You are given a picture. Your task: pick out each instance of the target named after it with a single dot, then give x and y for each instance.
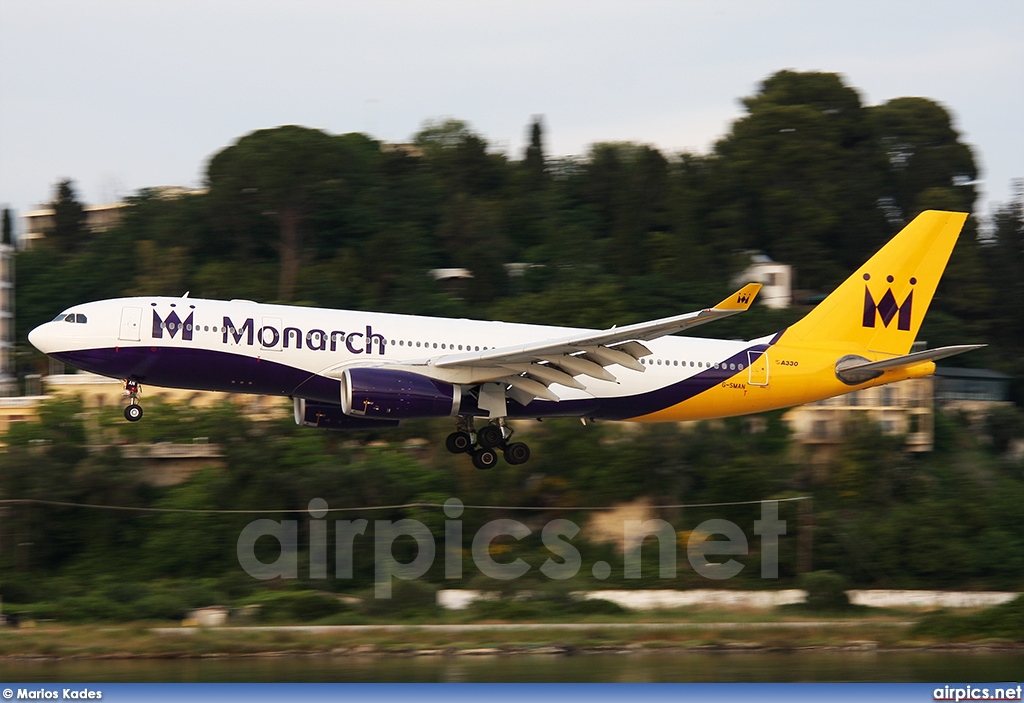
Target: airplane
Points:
(350, 369)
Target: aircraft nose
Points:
(42, 337)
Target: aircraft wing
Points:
(531, 368)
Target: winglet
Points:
(741, 299)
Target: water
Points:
(654, 667)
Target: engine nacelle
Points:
(396, 395)
(310, 413)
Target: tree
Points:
(801, 173)
(286, 174)
(533, 163)
(69, 230)
(928, 165)
(8, 228)
(627, 185)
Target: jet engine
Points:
(389, 394)
(309, 413)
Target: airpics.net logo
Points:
(711, 538)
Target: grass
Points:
(1000, 623)
(607, 628)
(141, 640)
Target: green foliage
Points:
(68, 231)
(1005, 622)
(407, 598)
(826, 590)
(809, 175)
(7, 227)
(544, 604)
(296, 606)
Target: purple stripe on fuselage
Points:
(630, 406)
(202, 369)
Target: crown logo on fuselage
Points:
(173, 324)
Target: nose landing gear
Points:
(133, 411)
(482, 444)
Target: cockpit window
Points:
(78, 318)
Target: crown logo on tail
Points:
(887, 307)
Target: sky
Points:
(120, 95)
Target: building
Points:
(776, 280)
(971, 390)
(160, 463)
(98, 218)
(906, 408)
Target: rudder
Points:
(881, 306)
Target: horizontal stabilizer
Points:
(856, 369)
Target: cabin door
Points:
(131, 324)
(757, 364)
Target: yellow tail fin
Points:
(880, 307)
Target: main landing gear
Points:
(482, 444)
(133, 411)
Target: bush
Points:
(596, 606)
(293, 606)
(158, 606)
(89, 607)
(407, 598)
(19, 590)
(532, 605)
(1004, 621)
(826, 590)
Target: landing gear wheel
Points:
(517, 453)
(485, 458)
(490, 436)
(133, 413)
(459, 442)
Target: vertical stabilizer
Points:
(880, 307)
